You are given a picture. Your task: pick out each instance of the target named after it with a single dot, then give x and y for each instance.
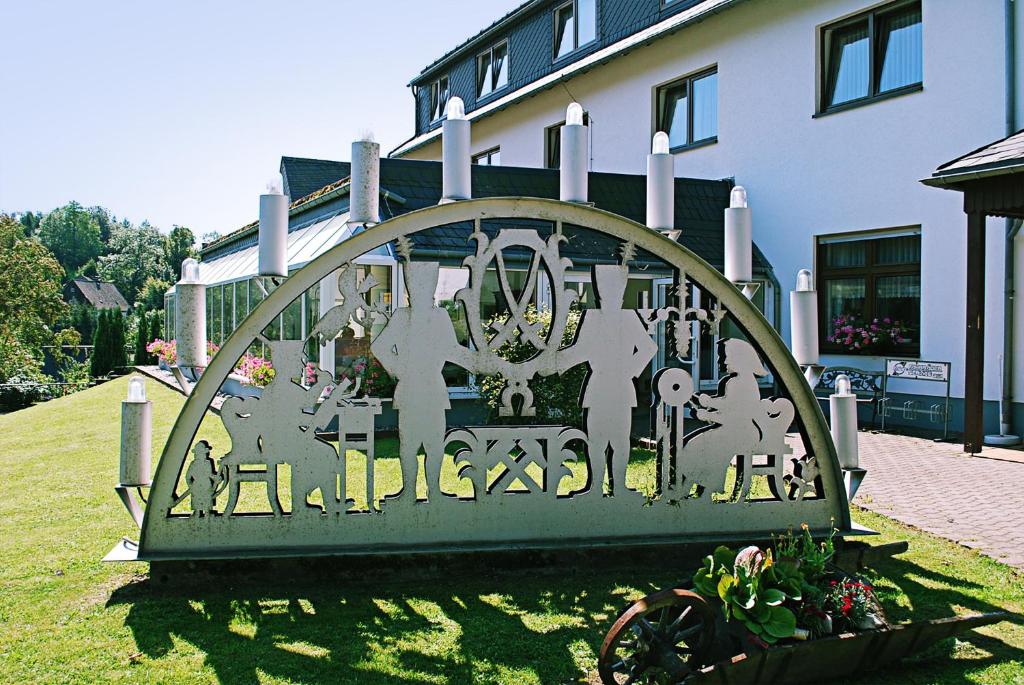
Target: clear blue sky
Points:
(178, 112)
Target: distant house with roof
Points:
(94, 293)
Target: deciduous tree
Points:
(30, 291)
(136, 253)
(72, 234)
(179, 246)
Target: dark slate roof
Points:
(529, 30)
(99, 294)
(698, 204)
(493, 27)
(304, 176)
(1004, 156)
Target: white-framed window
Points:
(492, 69)
(575, 26)
(438, 96)
(490, 157)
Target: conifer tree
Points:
(155, 331)
(99, 364)
(141, 357)
(119, 355)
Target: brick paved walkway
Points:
(975, 501)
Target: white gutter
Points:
(673, 23)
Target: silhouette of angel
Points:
(340, 316)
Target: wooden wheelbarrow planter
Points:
(673, 635)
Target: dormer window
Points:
(492, 70)
(438, 98)
(575, 26)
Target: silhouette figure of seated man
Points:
(736, 415)
(413, 347)
(614, 342)
(315, 463)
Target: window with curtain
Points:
(871, 55)
(575, 26)
(553, 143)
(687, 110)
(490, 157)
(492, 70)
(438, 98)
(869, 293)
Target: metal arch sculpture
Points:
(281, 427)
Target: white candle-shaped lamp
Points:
(456, 168)
(273, 235)
(738, 238)
(803, 313)
(190, 317)
(364, 187)
(573, 154)
(136, 435)
(660, 185)
(842, 405)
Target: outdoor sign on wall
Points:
(281, 485)
(917, 370)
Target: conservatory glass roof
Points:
(304, 244)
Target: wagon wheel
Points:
(661, 638)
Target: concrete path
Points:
(976, 501)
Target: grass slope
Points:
(65, 617)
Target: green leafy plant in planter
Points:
(752, 590)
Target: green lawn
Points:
(67, 617)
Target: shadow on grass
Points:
(523, 627)
(531, 625)
(923, 601)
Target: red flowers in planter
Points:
(854, 335)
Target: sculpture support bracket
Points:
(812, 372)
(131, 496)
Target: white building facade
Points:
(828, 112)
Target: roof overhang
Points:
(674, 23)
(954, 180)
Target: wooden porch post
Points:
(974, 362)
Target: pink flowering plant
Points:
(857, 336)
(374, 381)
(164, 350)
(255, 370)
